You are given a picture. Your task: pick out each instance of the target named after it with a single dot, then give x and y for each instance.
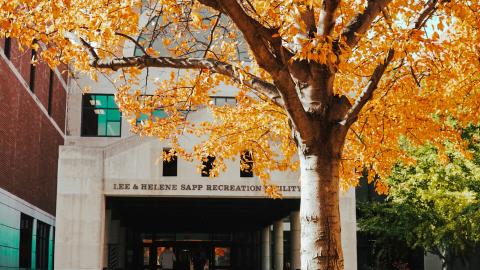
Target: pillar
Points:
(80, 220)
(278, 245)
(266, 248)
(295, 240)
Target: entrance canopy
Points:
(198, 214)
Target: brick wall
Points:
(28, 140)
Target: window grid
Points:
(100, 116)
(224, 100)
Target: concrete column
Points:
(278, 245)
(266, 248)
(349, 228)
(80, 219)
(295, 240)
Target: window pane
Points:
(246, 164)
(26, 226)
(102, 120)
(111, 102)
(146, 255)
(169, 166)
(113, 115)
(207, 166)
(100, 101)
(231, 101)
(113, 128)
(96, 116)
(222, 256)
(42, 241)
(160, 114)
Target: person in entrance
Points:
(167, 259)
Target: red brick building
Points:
(32, 126)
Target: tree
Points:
(432, 204)
(335, 81)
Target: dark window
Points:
(41, 254)
(50, 92)
(26, 227)
(246, 164)
(169, 164)
(100, 116)
(53, 248)
(32, 71)
(7, 48)
(207, 165)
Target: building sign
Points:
(197, 187)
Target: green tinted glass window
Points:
(156, 114)
(100, 116)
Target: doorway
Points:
(190, 255)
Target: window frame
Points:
(7, 47)
(82, 134)
(210, 160)
(25, 245)
(42, 243)
(164, 163)
(246, 174)
(225, 98)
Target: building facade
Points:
(32, 121)
(120, 205)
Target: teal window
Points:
(42, 243)
(157, 114)
(100, 116)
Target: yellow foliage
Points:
(434, 74)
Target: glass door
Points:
(147, 257)
(222, 257)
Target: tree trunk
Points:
(321, 247)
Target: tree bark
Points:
(321, 247)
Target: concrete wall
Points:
(80, 209)
(87, 174)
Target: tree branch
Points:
(269, 54)
(259, 38)
(367, 92)
(265, 88)
(91, 51)
(326, 21)
(427, 12)
(138, 45)
(360, 24)
(308, 17)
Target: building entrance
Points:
(192, 255)
(195, 251)
(204, 234)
